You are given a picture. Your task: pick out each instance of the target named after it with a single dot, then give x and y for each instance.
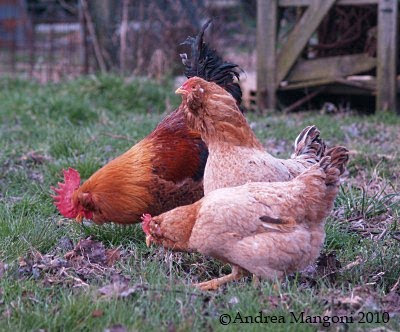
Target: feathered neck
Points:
(218, 119)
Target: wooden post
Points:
(92, 33)
(51, 56)
(123, 31)
(84, 54)
(387, 55)
(31, 44)
(13, 49)
(266, 53)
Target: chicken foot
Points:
(213, 284)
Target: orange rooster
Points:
(268, 229)
(236, 156)
(162, 171)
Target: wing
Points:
(168, 195)
(228, 210)
(257, 235)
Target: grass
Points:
(87, 122)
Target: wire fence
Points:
(52, 40)
(38, 46)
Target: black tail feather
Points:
(207, 64)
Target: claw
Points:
(207, 285)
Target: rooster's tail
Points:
(308, 145)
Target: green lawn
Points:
(86, 123)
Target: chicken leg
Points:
(255, 281)
(213, 284)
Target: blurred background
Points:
(54, 40)
(57, 39)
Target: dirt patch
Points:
(89, 261)
(326, 267)
(359, 301)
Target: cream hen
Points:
(268, 229)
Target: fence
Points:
(38, 41)
(50, 40)
(342, 47)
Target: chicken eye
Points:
(193, 88)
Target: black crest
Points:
(207, 64)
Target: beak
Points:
(79, 218)
(149, 240)
(180, 91)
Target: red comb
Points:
(185, 85)
(63, 199)
(146, 218)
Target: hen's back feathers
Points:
(207, 64)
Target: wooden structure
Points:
(284, 69)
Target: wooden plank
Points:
(335, 66)
(305, 84)
(357, 2)
(340, 89)
(367, 85)
(362, 84)
(266, 53)
(387, 55)
(300, 35)
(335, 88)
(304, 3)
(294, 3)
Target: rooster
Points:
(268, 229)
(233, 146)
(162, 171)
